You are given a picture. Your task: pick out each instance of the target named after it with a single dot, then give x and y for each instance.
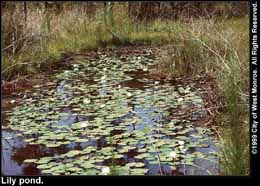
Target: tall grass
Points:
(219, 48)
(234, 134)
(54, 35)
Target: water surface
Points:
(107, 113)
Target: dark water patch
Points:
(133, 83)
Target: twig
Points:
(15, 65)
(222, 59)
(208, 109)
(158, 157)
(13, 43)
(159, 160)
(191, 112)
(208, 122)
(194, 165)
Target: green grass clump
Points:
(234, 146)
(219, 48)
(72, 32)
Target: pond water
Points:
(107, 113)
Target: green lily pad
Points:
(30, 161)
(135, 164)
(80, 125)
(53, 145)
(138, 171)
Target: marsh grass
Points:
(234, 133)
(219, 48)
(72, 31)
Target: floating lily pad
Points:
(79, 125)
(98, 108)
(30, 160)
(138, 171)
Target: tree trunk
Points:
(12, 25)
(105, 13)
(47, 17)
(25, 14)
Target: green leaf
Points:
(138, 171)
(30, 160)
(80, 125)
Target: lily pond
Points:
(107, 117)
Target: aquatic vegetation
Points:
(121, 129)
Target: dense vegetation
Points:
(207, 40)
